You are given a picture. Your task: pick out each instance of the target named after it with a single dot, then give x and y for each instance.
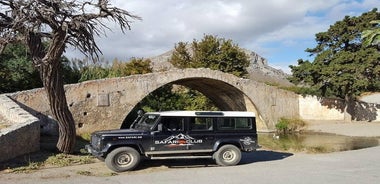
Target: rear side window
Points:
(201, 124)
(234, 123)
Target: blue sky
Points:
(278, 30)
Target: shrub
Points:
(286, 125)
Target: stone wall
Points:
(22, 136)
(316, 108)
(272, 103)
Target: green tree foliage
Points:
(211, 52)
(17, 72)
(117, 69)
(171, 97)
(133, 67)
(343, 67)
(372, 36)
(70, 73)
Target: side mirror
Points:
(140, 112)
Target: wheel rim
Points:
(228, 156)
(123, 160)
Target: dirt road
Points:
(359, 166)
(363, 129)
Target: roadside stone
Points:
(20, 131)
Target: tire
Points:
(227, 155)
(123, 159)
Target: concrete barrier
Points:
(22, 135)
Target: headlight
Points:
(96, 141)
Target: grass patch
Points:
(62, 160)
(85, 136)
(289, 143)
(85, 173)
(55, 160)
(318, 149)
(109, 174)
(302, 90)
(48, 157)
(26, 169)
(89, 173)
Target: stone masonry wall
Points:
(103, 104)
(316, 108)
(22, 136)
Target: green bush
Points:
(286, 125)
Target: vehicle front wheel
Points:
(123, 159)
(227, 155)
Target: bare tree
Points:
(47, 27)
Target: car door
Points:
(172, 137)
(201, 132)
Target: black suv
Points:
(220, 135)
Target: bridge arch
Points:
(225, 96)
(103, 104)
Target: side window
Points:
(201, 124)
(226, 124)
(243, 124)
(234, 124)
(173, 123)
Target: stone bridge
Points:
(105, 103)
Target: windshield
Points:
(146, 122)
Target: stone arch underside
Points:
(225, 96)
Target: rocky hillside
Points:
(259, 69)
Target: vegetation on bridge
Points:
(211, 52)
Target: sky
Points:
(278, 30)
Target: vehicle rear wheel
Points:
(123, 159)
(227, 155)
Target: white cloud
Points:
(251, 24)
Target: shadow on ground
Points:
(247, 158)
(263, 156)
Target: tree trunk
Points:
(50, 68)
(348, 110)
(53, 84)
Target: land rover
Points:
(220, 135)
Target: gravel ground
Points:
(265, 166)
(362, 129)
(358, 166)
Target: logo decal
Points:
(179, 140)
(247, 141)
